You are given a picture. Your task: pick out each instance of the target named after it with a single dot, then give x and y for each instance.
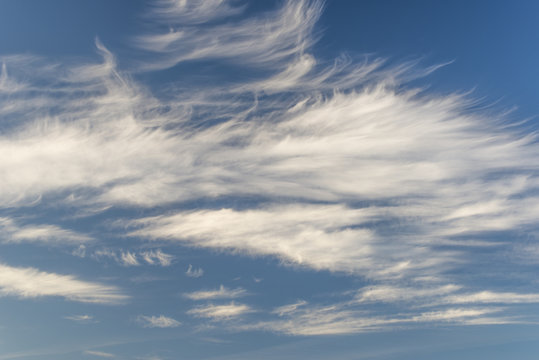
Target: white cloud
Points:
(264, 41)
(220, 312)
(486, 297)
(356, 173)
(342, 318)
(131, 258)
(128, 259)
(330, 237)
(388, 293)
(194, 12)
(436, 294)
(221, 293)
(194, 273)
(152, 257)
(160, 321)
(12, 232)
(290, 308)
(105, 253)
(80, 251)
(406, 306)
(32, 283)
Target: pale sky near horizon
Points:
(268, 179)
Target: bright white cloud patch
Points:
(160, 321)
(32, 283)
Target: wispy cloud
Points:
(81, 318)
(157, 257)
(420, 306)
(194, 272)
(348, 171)
(265, 41)
(221, 293)
(160, 321)
(388, 293)
(13, 232)
(99, 354)
(289, 308)
(440, 294)
(131, 258)
(486, 297)
(128, 259)
(220, 312)
(194, 12)
(340, 318)
(32, 283)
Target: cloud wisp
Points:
(194, 272)
(221, 312)
(221, 293)
(269, 40)
(32, 283)
(160, 321)
(14, 233)
(130, 258)
(84, 319)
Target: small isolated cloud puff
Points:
(80, 251)
(32, 283)
(160, 321)
(221, 293)
(194, 273)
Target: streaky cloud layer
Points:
(352, 172)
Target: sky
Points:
(269, 179)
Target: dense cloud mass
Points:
(334, 166)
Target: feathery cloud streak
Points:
(160, 321)
(221, 293)
(32, 283)
(220, 312)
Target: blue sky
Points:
(270, 180)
